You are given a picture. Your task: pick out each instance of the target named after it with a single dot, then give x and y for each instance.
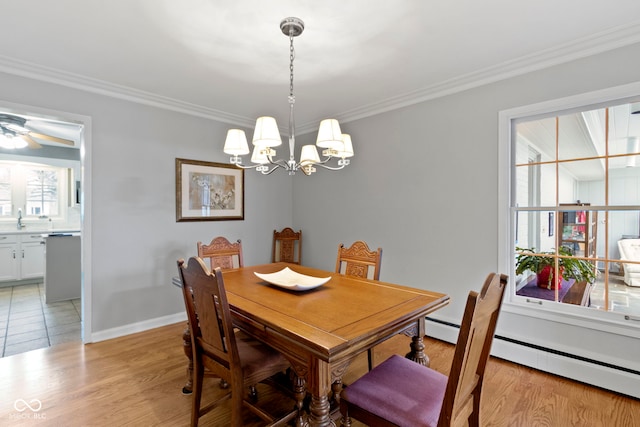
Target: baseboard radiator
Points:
(619, 379)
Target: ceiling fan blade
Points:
(52, 138)
(30, 142)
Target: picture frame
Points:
(208, 191)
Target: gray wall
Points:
(424, 186)
(135, 240)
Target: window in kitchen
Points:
(5, 190)
(33, 188)
(573, 242)
(42, 192)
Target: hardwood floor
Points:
(137, 380)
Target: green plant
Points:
(571, 268)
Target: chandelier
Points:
(266, 135)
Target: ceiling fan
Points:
(15, 127)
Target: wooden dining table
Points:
(322, 330)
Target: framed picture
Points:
(208, 191)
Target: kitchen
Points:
(40, 239)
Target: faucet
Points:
(20, 224)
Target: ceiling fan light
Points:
(236, 143)
(329, 135)
(20, 142)
(11, 142)
(4, 142)
(266, 133)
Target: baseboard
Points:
(33, 281)
(133, 328)
(616, 379)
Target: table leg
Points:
(417, 353)
(319, 385)
(299, 393)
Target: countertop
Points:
(44, 232)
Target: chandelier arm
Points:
(323, 165)
(269, 171)
(333, 168)
(325, 161)
(277, 162)
(241, 166)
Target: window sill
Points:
(584, 317)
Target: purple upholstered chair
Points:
(399, 392)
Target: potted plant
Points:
(544, 266)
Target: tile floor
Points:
(28, 323)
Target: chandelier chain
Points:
(292, 55)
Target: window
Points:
(33, 188)
(5, 190)
(572, 202)
(42, 192)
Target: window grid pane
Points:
(5, 191)
(576, 197)
(42, 192)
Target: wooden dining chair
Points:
(227, 352)
(400, 392)
(359, 261)
(287, 246)
(222, 253)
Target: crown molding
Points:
(51, 75)
(596, 43)
(580, 48)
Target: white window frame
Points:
(606, 321)
(18, 194)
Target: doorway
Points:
(60, 127)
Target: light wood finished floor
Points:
(136, 381)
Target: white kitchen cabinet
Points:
(22, 257)
(9, 257)
(32, 256)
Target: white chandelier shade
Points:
(266, 135)
(329, 134)
(347, 147)
(236, 143)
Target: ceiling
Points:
(229, 60)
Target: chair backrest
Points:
(287, 246)
(209, 315)
(472, 351)
(222, 253)
(359, 261)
